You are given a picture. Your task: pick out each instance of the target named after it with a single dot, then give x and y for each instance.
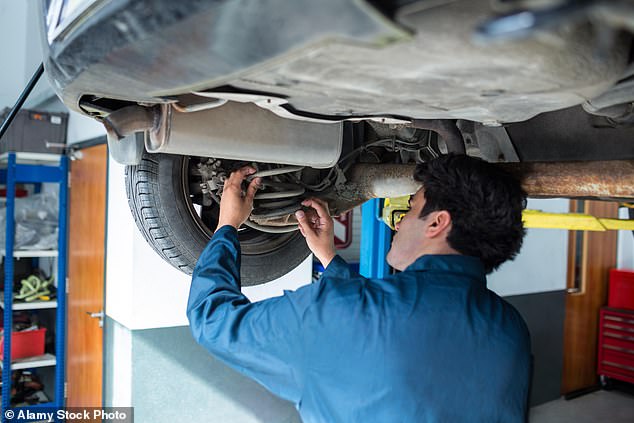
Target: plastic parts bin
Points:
(25, 344)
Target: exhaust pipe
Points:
(601, 180)
(125, 128)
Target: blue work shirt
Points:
(430, 344)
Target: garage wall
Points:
(544, 314)
(541, 264)
(625, 250)
(176, 380)
(20, 53)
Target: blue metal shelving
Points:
(11, 173)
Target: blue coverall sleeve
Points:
(339, 268)
(262, 340)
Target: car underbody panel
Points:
(440, 72)
(339, 100)
(346, 60)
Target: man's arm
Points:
(261, 340)
(318, 228)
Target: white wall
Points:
(625, 250)
(82, 128)
(21, 55)
(21, 52)
(142, 290)
(541, 264)
(119, 368)
(13, 19)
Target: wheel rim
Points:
(252, 242)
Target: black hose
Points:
(23, 96)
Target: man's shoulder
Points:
(514, 325)
(350, 287)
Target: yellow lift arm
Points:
(573, 221)
(395, 208)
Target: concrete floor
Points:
(600, 406)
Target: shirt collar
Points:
(453, 263)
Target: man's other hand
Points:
(317, 227)
(235, 204)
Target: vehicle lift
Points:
(379, 217)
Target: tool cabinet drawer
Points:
(616, 344)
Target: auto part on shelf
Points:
(246, 132)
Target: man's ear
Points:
(439, 223)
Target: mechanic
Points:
(428, 344)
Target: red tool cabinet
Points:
(616, 344)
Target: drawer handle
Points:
(617, 327)
(619, 319)
(619, 349)
(620, 366)
(616, 335)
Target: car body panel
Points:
(332, 58)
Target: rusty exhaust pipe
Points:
(600, 180)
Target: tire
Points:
(158, 196)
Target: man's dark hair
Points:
(485, 204)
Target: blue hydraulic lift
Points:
(376, 237)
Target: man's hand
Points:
(236, 205)
(317, 227)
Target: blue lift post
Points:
(28, 173)
(376, 237)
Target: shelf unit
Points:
(33, 305)
(32, 253)
(30, 168)
(44, 360)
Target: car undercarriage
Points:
(339, 100)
